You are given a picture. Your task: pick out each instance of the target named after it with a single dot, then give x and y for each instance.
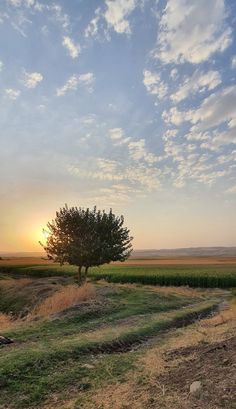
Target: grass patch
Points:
(30, 373)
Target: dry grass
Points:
(145, 390)
(168, 290)
(11, 282)
(15, 261)
(66, 297)
(6, 321)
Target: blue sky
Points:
(121, 103)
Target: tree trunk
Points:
(86, 273)
(79, 274)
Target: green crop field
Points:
(206, 276)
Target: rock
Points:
(88, 366)
(195, 387)
(5, 340)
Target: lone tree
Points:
(87, 238)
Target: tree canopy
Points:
(86, 238)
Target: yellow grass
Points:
(181, 291)
(145, 389)
(6, 321)
(19, 283)
(66, 297)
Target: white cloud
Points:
(1, 66)
(70, 85)
(116, 133)
(147, 177)
(31, 80)
(154, 85)
(107, 165)
(19, 3)
(73, 49)
(58, 15)
(117, 13)
(174, 73)
(12, 93)
(219, 139)
(218, 108)
(118, 136)
(198, 82)
(88, 119)
(87, 78)
(233, 62)
(232, 189)
(92, 28)
(138, 151)
(119, 193)
(230, 157)
(192, 31)
(74, 81)
(176, 117)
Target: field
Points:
(199, 272)
(116, 343)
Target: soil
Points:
(213, 365)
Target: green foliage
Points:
(87, 238)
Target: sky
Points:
(123, 104)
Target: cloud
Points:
(198, 82)
(118, 192)
(174, 73)
(219, 139)
(116, 133)
(118, 136)
(58, 15)
(19, 3)
(232, 189)
(87, 79)
(192, 31)
(73, 82)
(233, 62)
(218, 108)
(12, 93)
(1, 66)
(146, 177)
(73, 49)
(227, 157)
(92, 28)
(176, 117)
(154, 85)
(116, 14)
(138, 151)
(31, 80)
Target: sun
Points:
(40, 235)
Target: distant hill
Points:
(186, 252)
(153, 253)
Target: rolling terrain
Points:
(116, 342)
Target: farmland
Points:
(177, 272)
(120, 343)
